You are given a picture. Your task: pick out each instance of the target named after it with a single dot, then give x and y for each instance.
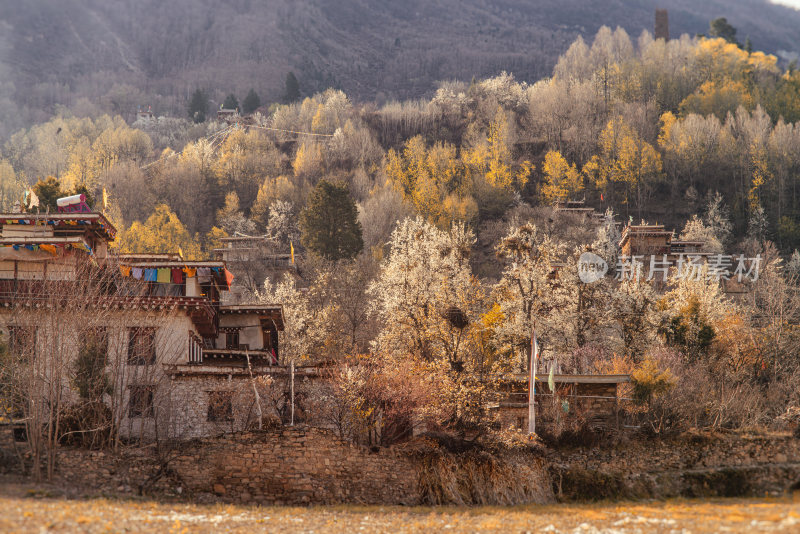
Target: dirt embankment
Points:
(302, 466)
(689, 465)
(311, 466)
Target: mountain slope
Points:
(55, 51)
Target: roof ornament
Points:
(73, 204)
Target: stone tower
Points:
(662, 24)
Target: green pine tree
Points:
(48, 191)
(721, 28)
(329, 225)
(251, 102)
(198, 106)
(292, 92)
(231, 102)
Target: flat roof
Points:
(271, 311)
(215, 369)
(95, 220)
(159, 256)
(249, 308)
(245, 238)
(577, 379)
(176, 264)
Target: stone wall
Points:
(690, 465)
(295, 466)
(305, 465)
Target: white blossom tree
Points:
(531, 293)
(425, 294)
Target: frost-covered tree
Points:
(282, 223)
(429, 304)
(529, 293)
(793, 267)
(303, 330)
(757, 224)
(636, 317)
(693, 307)
(607, 243)
(717, 218)
(697, 230)
(232, 220)
(425, 294)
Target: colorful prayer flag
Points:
(164, 276)
(49, 248)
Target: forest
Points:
(446, 238)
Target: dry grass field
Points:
(26, 509)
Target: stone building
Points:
(661, 30)
(254, 259)
(148, 318)
(653, 240)
(594, 397)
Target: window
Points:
(232, 339)
(140, 403)
(220, 406)
(141, 346)
(20, 434)
(22, 341)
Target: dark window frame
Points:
(232, 340)
(22, 340)
(141, 351)
(141, 401)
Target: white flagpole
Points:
(532, 385)
(292, 387)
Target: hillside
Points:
(120, 54)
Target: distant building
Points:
(254, 259)
(595, 398)
(662, 24)
(145, 115)
(576, 207)
(227, 114)
(653, 239)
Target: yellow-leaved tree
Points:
(493, 159)
(626, 162)
(163, 231)
(433, 180)
(562, 180)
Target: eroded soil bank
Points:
(306, 466)
(687, 465)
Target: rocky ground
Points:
(32, 508)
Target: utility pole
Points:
(292, 388)
(532, 384)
